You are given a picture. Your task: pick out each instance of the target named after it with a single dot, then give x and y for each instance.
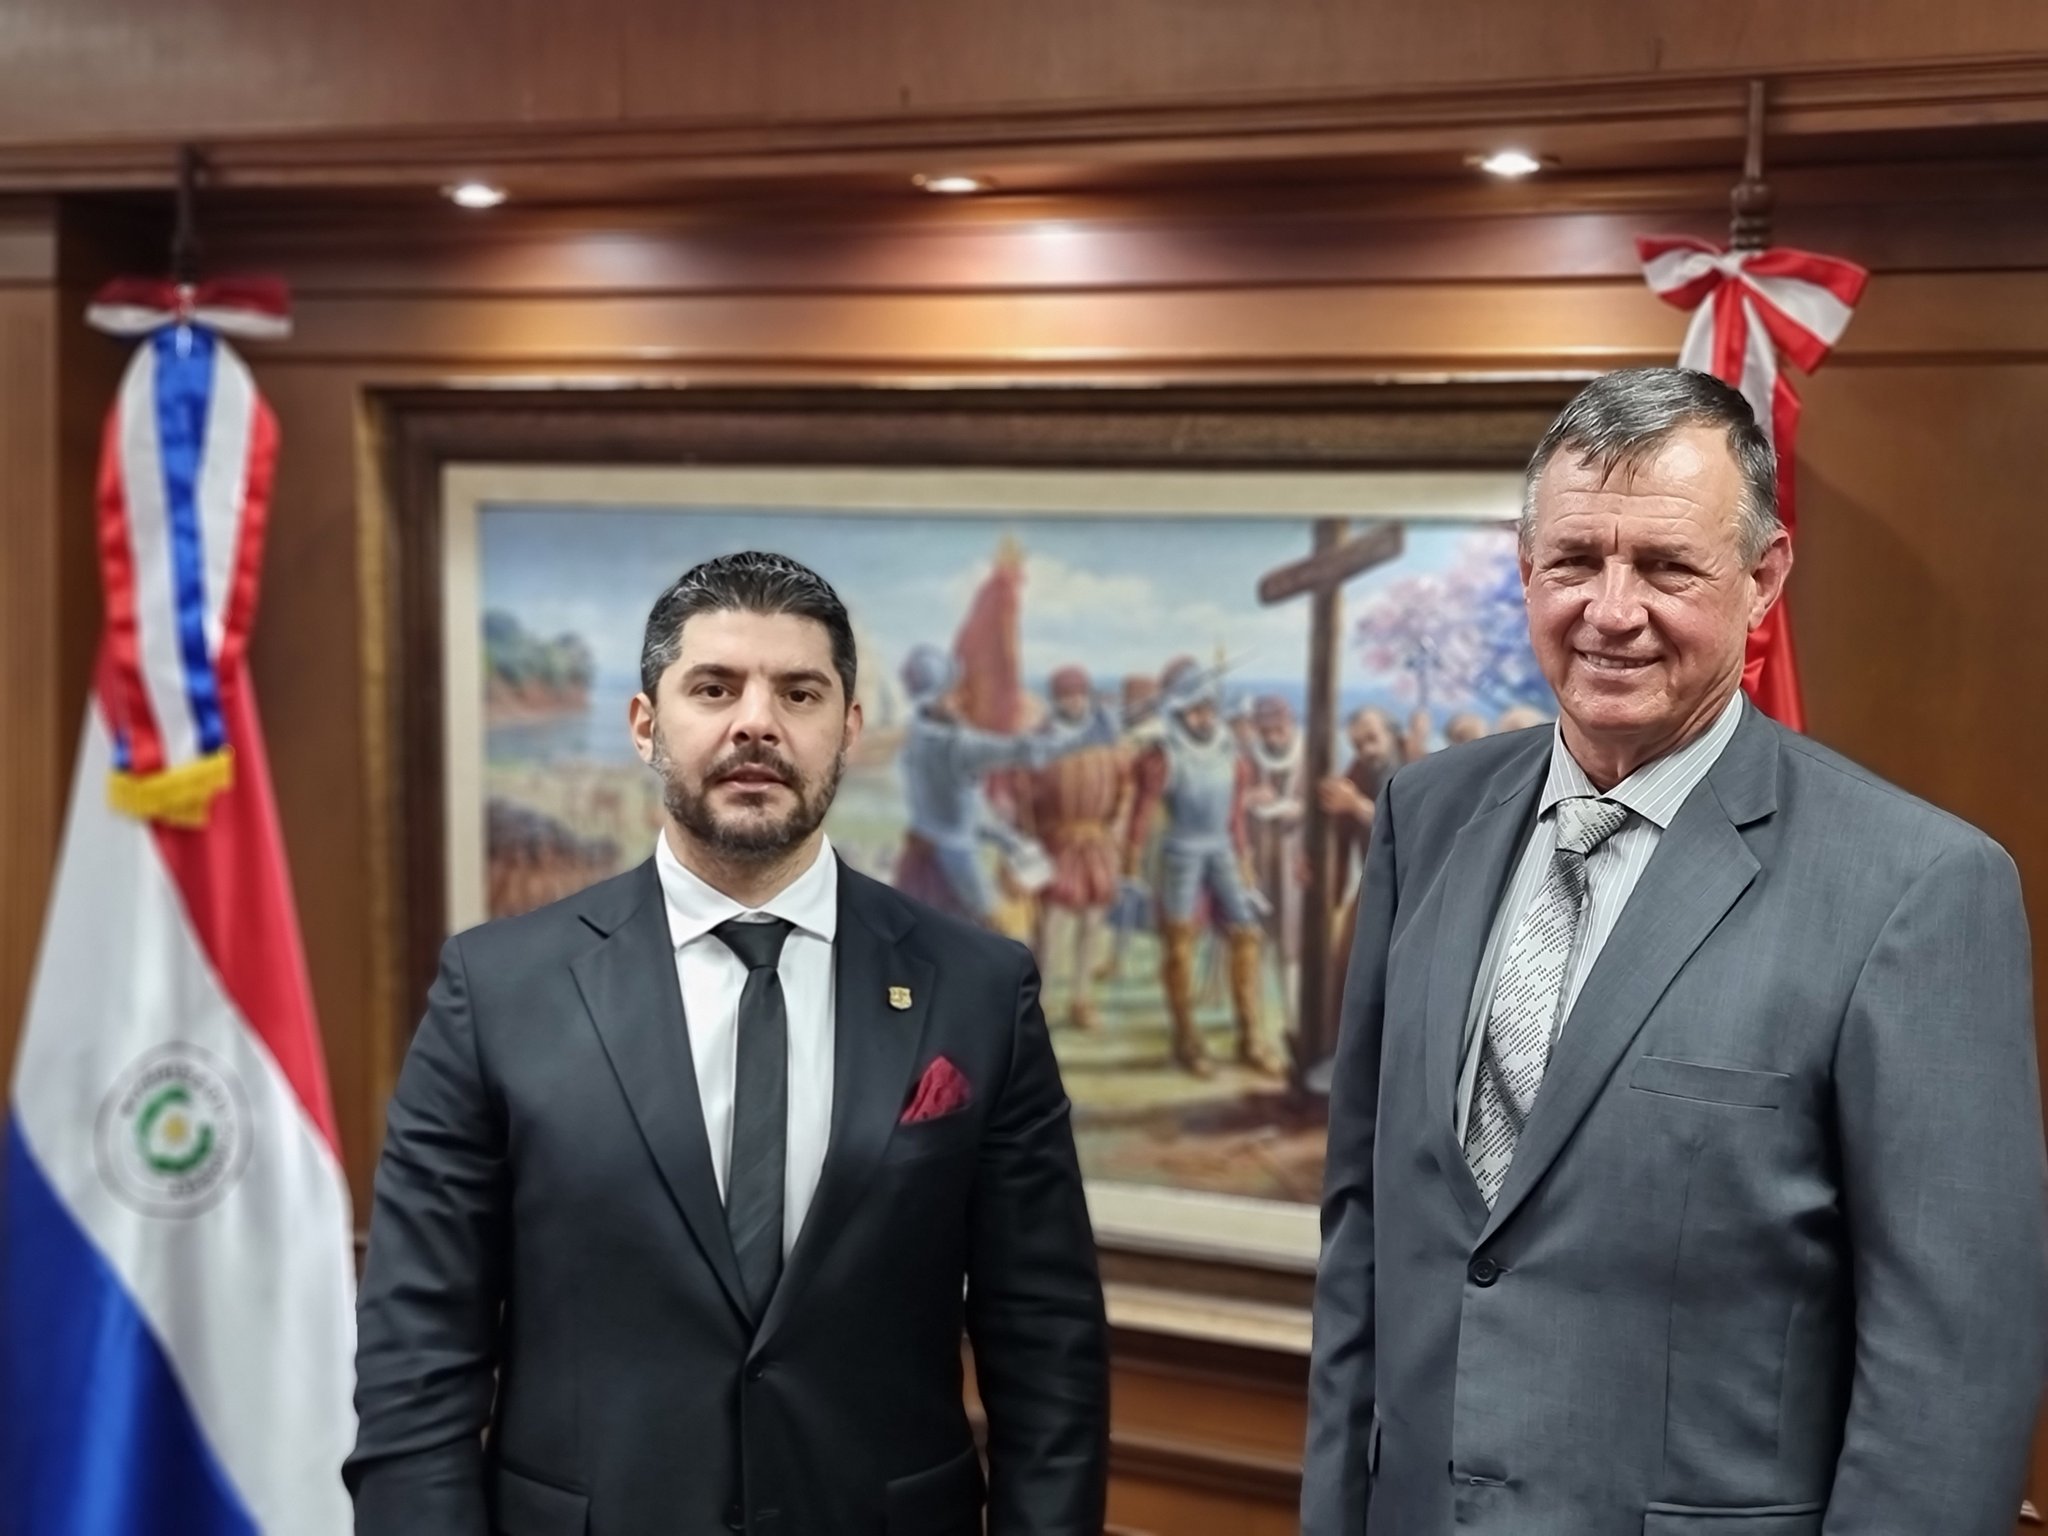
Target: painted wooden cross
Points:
(1334, 560)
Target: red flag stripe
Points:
(238, 610)
(1844, 279)
(1731, 337)
(130, 720)
(231, 877)
(1806, 350)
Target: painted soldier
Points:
(1076, 804)
(944, 761)
(1196, 775)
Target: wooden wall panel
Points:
(1918, 591)
(306, 663)
(130, 68)
(31, 759)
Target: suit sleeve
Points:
(427, 1320)
(1939, 1121)
(1034, 1302)
(1336, 1489)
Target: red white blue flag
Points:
(176, 1309)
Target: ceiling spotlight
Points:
(953, 183)
(474, 194)
(1508, 163)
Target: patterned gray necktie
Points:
(1522, 1018)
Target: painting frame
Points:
(1168, 1252)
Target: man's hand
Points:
(1338, 796)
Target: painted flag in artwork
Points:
(176, 1308)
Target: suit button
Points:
(1483, 1272)
(756, 1371)
(735, 1518)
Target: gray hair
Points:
(1622, 418)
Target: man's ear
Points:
(1769, 575)
(640, 721)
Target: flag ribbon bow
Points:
(1750, 311)
(184, 492)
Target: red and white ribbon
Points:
(1750, 311)
(249, 307)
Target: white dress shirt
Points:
(1653, 794)
(712, 979)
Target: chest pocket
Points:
(954, 1135)
(1709, 1085)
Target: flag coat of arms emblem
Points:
(176, 1309)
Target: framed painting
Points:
(1117, 619)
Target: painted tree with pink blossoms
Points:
(1456, 639)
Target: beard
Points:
(750, 836)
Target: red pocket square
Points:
(942, 1090)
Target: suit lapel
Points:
(629, 985)
(874, 1052)
(1474, 882)
(1700, 869)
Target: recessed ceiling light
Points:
(475, 194)
(953, 183)
(1508, 163)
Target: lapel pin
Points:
(899, 998)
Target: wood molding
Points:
(1209, 1468)
(1894, 218)
(28, 243)
(1351, 332)
(1583, 119)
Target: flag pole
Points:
(185, 233)
(1751, 201)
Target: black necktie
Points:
(760, 1110)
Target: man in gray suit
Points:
(1685, 1171)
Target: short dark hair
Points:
(1623, 417)
(752, 581)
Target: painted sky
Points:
(1118, 593)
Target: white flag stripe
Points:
(1698, 351)
(1759, 370)
(1674, 269)
(1813, 307)
(156, 609)
(224, 477)
(250, 1299)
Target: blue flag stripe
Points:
(96, 1438)
(185, 358)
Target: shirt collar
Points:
(1656, 790)
(695, 907)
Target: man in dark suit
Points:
(1685, 1170)
(692, 1180)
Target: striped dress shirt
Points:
(1653, 794)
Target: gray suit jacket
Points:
(1771, 1257)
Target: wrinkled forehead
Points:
(1687, 491)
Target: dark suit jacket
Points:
(1770, 1257)
(546, 1209)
